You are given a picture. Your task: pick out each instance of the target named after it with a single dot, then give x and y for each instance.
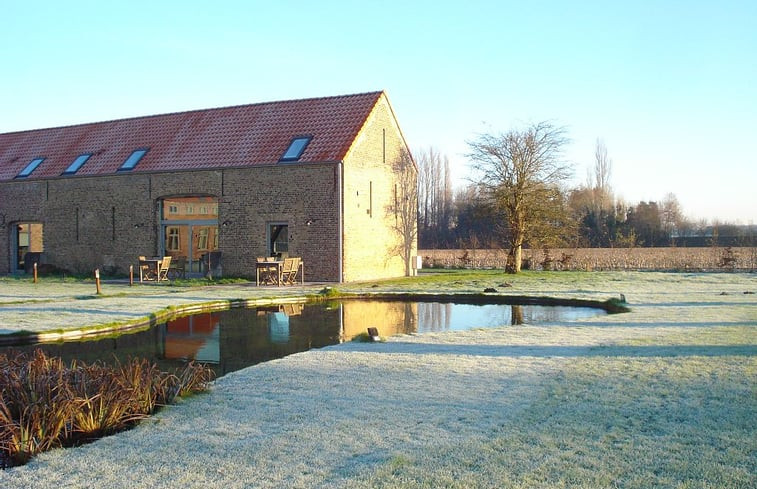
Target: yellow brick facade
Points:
(370, 182)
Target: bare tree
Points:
(404, 210)
(671, 216)
(521, 170)
(602, 173)
(434, 197)
(593, 203)
(602, 198)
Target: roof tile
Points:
(213, 138)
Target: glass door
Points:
(190, 230)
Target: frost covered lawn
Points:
(663, 396)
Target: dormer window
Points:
(28, 169)
(132, 160)
(77, 163)
(296, 148)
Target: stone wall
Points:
(108, 221)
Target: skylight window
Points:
(28, 169)
(77, 163)
(132, 160)
(296, 148)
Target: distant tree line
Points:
(481, 215)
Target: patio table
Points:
(265, 266)
(153, 265)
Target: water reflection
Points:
(234, 339)
(437, 316)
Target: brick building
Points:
(317, 178)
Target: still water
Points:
(236, 338)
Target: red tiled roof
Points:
(212, 138)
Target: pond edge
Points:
(611, 306)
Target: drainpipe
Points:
(340, 218)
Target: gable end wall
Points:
(370, 243)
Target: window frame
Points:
(173, 233)
(30, 167)
(272, 240)
(294, 153)
(203, 235)
(76, 165)
(132, 161)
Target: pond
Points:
(236, 338)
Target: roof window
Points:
(77, 163)
(132, 160)
(28, 169)
(296, 148)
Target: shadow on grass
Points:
(516, 351)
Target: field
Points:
(663, 396)
(659, 259)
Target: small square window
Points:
(296, 148)
(28, 169)
(77, 163)
(132, 160)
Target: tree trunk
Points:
(514, 259)
(408, 262)
(517, 258)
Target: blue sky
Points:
(671, 87)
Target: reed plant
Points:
(46, 404)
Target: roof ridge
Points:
(377, 93)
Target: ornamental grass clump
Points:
(46, 404)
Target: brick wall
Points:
(369, 181)
(108, 221)
(19, 202)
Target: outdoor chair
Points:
(289, 270)
(165, 264)
(178, 267)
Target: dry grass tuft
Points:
(46, 404)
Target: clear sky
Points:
(670, 86)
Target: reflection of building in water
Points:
(194, 338)
(434, 316)
(389, 317)
(278, 327)
(269, 332)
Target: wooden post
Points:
(131, 275)
(97, 281)
(35, 272)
